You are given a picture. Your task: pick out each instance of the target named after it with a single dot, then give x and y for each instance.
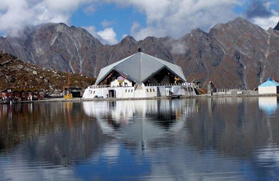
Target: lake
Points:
(229, 138)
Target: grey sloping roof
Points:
(139, 67)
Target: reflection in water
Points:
(268, 104)
(268, 155)
(190, 139)
(55, 132)
(140, 122)
(236, 128)
(231, 123)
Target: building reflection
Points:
(268, 104)
(269, 154)
(140, 122)
(197, 139)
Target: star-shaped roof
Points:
(139, 67)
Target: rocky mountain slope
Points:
(19, 75)
(237, 54)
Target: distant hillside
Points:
(237, 54)
(15, 73)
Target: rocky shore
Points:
(18, 76)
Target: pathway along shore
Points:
(154, 98)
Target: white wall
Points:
(124, 92)
(126, 82)
(90, 93)
(151, 91)
(267, 90)
(130, 92)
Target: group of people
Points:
(7, 99)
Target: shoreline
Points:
(133, 99)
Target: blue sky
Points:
(111, 20)
(120, 19)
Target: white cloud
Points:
(163, 17)
(90, 9)
(91, 30)
(44, 15)
(266, 23)
(64, 5)
(177, 17)
(107, 23)
(15, 15)
(269, 21)
(172, 18)
(135, 27)
(108, 36)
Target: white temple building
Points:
(140, 76)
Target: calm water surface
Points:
(191, 139)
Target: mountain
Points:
(237, 54)
(17, 74)
(277, 27)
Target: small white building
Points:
(269, 87)
(140, 76)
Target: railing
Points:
(183, 84)
(235, 91)
(147, 85)
(227, 90)
(99, 86)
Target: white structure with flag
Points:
(140, 76)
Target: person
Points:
(3, 98)
(30, 97)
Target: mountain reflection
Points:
(220, 124)
(189, 139)
(231, 126)
(56, 132)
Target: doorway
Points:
(112, 93)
